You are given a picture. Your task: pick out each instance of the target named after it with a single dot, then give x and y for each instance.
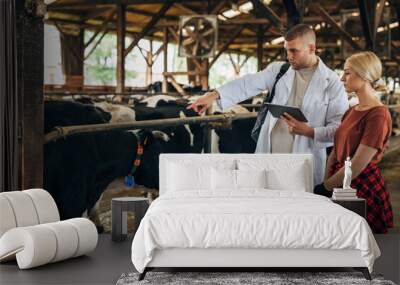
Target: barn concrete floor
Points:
(110, 260)
(390, 168)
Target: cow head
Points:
(153, 145)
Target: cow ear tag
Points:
(129, 181)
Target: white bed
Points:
(215, 224)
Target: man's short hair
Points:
(301, 30)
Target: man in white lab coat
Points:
(308, 84)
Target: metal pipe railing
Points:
(62, 132)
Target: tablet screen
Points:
(278, 110)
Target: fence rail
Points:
(62, 132)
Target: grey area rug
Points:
(232, 278)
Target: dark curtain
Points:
(8, 98)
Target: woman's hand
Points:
(320, 189)
(363, 156)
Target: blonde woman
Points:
(362, 136)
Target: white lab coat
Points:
(324, 104)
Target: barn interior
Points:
(137, 65)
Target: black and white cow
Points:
(78, 169)
(237, 138)
(119, 113)
(186, 138)
(67, 113)
(156, 87)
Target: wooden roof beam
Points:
(96, 44)
(293, 15)
(148, 26)
(94, 14)
(101, 28)
(378, 17)
(146, 13)
(346, 36)
(260, 10)
(116, 2)
(367, 10)
(216, 9)
(186, 9)
(253, 21)
(235, 34)
(165, 22)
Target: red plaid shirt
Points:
(371, 186)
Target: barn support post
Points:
(120, 48)
(205, 86)
(149, 64)
(260, 38)
(165, 47)
(367, 14)
(293, 14)
(149, 26)
(335, 26)
(204, 71)
(235, 34)
(30, 46)
(378, 18)
(235, 65)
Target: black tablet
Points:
(278, 110)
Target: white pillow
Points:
(230, 180)
(279, 180)
(223, 179)
(251, 178)
(184, 178)
(185, 175)
(283, 174)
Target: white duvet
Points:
(256, 218)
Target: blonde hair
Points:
(369, 67)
